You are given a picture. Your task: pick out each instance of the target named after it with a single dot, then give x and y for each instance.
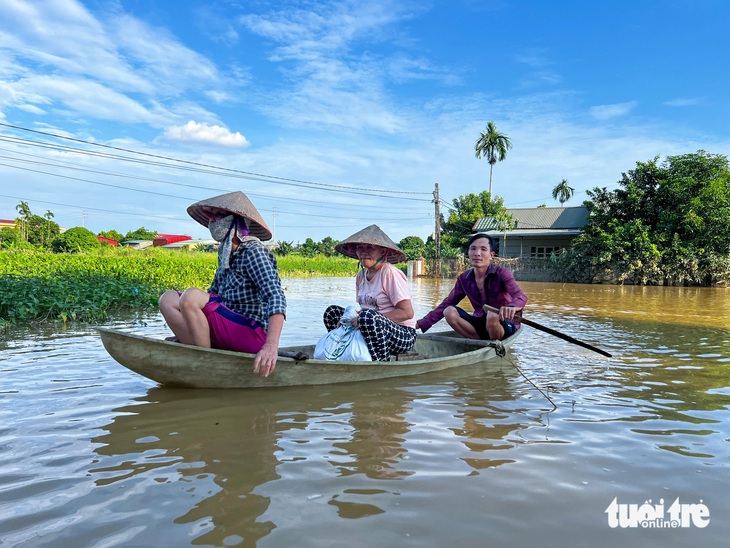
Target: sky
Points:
(332, 116)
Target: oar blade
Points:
(554, 333)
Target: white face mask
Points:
(220, 227)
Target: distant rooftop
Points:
(189, 243)
(540, 220)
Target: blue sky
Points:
(332, 116)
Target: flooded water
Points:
(636, 452)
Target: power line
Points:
(67, 165)
(48, 167)
(191, 169)
(83, 208)
(324, 216)
(219, 170)
(96, 182)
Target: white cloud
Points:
(403, 68)
(7, 94)
(193, 132)
(58, 56)
(682, 102)
(331, 28)
(532, 59)
(62, 36)
(82, 96)
(605, 112)
(331, 78)
(161, 59)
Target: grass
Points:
(38, 286)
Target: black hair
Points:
(492, 244)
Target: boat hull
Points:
(173, 364)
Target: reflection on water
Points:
(92, 454)
(205, 451)
(689, 306)
(212, 455)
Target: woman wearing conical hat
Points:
(244, 308)
(386, 318)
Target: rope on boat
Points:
(499, 349)
(548, 398)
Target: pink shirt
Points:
(388, 287)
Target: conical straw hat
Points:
(233, 202)
(372, 235)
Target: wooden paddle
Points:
(554, 333)
(462, 340)
(298, 356)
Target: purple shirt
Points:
(500, 287)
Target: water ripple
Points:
(93, 455)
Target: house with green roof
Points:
(540, 231)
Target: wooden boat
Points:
(174, 364)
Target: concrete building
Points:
(540, 231)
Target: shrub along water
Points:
(43, 286)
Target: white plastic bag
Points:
(344, 343)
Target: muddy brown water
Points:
(93, 455)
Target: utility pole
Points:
(274, 232)
(437, 232)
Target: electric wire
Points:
(196, 166)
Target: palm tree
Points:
(493, 146)
(25, 214)
(48, 216)
(562, 192)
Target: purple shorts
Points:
(232, 331)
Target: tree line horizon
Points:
(668, 222)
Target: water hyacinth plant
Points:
(89, 286)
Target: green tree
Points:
(284, 248)
(309, 248)
(447, 251)
(9, 237)
(112, 235)
(666, 223)
(140, 234)
(493, 146)
(327, 246)
(74, 240)
(40, 231)
(34, 229)
(413, 246)
(504, 222)
(563, 192)
(22, 221)
(48, 216)
(466, 211)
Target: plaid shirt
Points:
(251, 286)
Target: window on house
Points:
(540, 252)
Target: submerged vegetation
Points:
(667, 223)
(44, 286)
